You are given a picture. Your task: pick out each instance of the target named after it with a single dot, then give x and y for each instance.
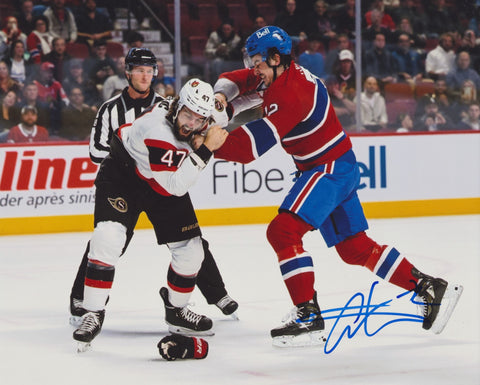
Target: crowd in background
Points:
(420, 61)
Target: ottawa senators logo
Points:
(195, 83)
(119, 204)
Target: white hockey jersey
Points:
(169, 165)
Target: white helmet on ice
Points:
(198, 96)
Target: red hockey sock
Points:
(386, 262)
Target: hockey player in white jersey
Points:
(140, 70)
(150, 168)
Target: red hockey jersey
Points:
(297, 113)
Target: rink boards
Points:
(49, 188)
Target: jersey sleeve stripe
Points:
(262, 134)
(316, 118)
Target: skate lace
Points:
(292, 316)
(90, 322)
(190, 316)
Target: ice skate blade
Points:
(75, 320)
(189, 332)
(234, 316)
(82, 347)
(449, 301)
(306, 339)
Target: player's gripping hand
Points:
(215, 138)
(177, 346)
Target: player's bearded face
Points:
(188, 123)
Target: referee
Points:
(123, 108)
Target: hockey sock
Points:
(386, 262)
(285, 234)
(180, 286)
(98, 282)
(209, 279)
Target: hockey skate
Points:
(91, 325)
(76, 311)
(304, 326)
(436, 300)
(181, 320)
(228, 306)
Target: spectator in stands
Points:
(291, 21)
(59, 57)
(344, 107)
(61, 21)
(258, 22)
(369, 33)
(26, 20)
(331, 60)
(9, 34)
(99, 66)
(442, 95)
(440, 61)
(472, 120)
(51, 92)
(6, 81)
(134, 39)
(77, 117)
(373, 108)
(385, 19)
(345, 73)
(311, 59)
(466, 96)
(379, 62)
(39, 41)
(161, 77)
(469, 44)
(30, 98)
(28, 131)
(461, 73)
(20, 68)
(7, 102)
(346, 19)
(92, 25)
(440, 19)
(405, 27)
(223, 49)
(408, 9)
(164, 85)
(76, 77)
(432, 119)
(320, 23)
(408, 62)
(404, 123)
(118, 81)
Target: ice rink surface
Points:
(36, 273)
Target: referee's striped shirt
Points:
(116, 111)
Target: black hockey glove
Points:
(177, 346)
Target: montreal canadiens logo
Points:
(119, 204)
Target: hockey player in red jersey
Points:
(151, 165)
(299, 116)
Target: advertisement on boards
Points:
(53, 179)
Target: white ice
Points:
(36, 273)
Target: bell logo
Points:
(263, 32)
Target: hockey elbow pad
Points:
(177, 346)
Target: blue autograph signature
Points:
(362, 312)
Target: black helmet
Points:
(141, 57)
